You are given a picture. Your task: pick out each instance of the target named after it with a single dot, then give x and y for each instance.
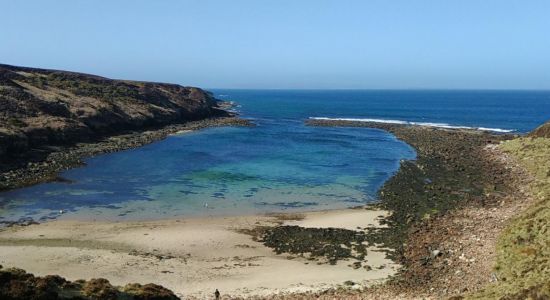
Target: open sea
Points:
(279, 165)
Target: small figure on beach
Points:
(217, 294)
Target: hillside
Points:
(523, 265)
(541, 131)
(41, 108)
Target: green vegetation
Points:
(523, 261)
(92, 87)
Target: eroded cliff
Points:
(41, 108)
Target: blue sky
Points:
(287, 44)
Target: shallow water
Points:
(279, 165)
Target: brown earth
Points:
(541, 131)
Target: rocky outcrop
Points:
(541, 131)
(16, 284)
(41, 108)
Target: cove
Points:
(278, 165)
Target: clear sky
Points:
(500, 44)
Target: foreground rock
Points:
(16, 284)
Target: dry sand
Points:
(191, 256)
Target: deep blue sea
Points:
(279, 165)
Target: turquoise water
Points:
(279, 165)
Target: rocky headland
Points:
(50, 120)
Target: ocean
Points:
(277, 166)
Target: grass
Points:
(523, 249)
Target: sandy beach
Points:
(191, 256)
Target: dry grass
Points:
(523, 249)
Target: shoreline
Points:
(61, 158)
(440, 178)
(448, 209)
(51, 119)
(194, 256)
(443, 213)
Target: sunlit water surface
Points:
(279, 165)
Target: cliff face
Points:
(41, 107)
(541, 131)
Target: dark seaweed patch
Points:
(323, 244)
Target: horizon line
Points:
(382, 89)
(284, 89)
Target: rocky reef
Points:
(323, 245)
(449, 192)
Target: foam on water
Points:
(428, 124)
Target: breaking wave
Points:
(428, 124)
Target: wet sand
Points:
(191, 256)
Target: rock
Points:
(16, 284)
(149, 292)
(349, 283)
(100, 288)
(436, 253)
(356, 265)
(330, 244)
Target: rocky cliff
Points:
(41, 108)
